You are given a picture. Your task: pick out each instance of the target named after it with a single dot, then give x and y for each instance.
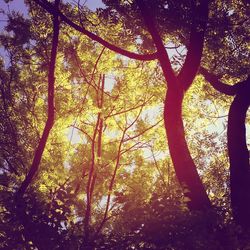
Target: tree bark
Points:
(237, 146)
(239, 156)
(184, 166)
(183, 163)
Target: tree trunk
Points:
(239, 156)
(184, 166)
(50, 112)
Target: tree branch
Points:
(217, 84)
(161, 51)
(50, 9)
(142, 132)
(196, 43)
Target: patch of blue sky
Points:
(109, 82)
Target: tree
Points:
(189, 178)
(231, 38)
(237, 146)
(105, 177)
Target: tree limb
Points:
(161, 51)
(196, 43)
(50, 9)
(217, 84)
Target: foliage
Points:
(106, 176)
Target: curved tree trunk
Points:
(177, 85)
(50, 110)
(183, 163)
(239, 156)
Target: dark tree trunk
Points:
(239, 156)
(50, 112)
(184, 166)
(183, 163)
(237, 146)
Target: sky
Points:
(18, 5)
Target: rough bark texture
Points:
(239, 156)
